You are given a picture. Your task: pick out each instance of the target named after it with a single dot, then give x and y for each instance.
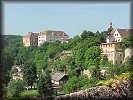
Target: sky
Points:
(72, 18)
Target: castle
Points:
(37, 39)
(112, 48)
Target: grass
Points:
(30, 93)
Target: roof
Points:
(112, 32)
(31, 34)
(56, 33)
(57, 76)
(123, 32)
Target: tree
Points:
(76, 83)
(74, 41)
(30, 73)
(86, 34)
(15, 87)
(44, 84)
(127, 42)
(96, 71)
(129, 64)
(79, 54)
(71, 85)
(92, 56)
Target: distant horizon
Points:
(73, 19)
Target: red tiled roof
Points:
(123, 32)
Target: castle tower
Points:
(110, 27)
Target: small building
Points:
(52, 36)
(30, 39)
(87, 72)
(59, 78)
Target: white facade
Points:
(41, 39)
(51, 38)
(117, 36)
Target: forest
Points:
(84, 53)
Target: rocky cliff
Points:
(119, 90)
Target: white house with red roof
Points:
(116, 35)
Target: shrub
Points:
(15, 87)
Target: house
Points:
(59, 78)
(112, 48)
(116, 35)
(18, 74)
(51, 36)
(30, 39)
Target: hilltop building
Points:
(52, 36)
(112, 49)
(30, 39)
(37, 39)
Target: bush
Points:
(15, 87)
(105, 82)
(125, 76)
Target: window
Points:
(117, 34)
(120, 55)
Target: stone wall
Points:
(128, 52)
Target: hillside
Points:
(80, 53)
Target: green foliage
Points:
(105, 82)
(44, 84)
(71, 85)
(15, 87)
(87, 34)
(11, 40)
(79, 54)
(124, 76)
(29, 92)
(127, 42)
(129, 64)
(92, 56)
(30, 73)
(76, 83)
(90, 83)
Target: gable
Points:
(116, 34)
